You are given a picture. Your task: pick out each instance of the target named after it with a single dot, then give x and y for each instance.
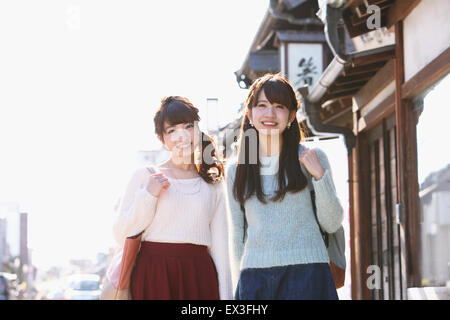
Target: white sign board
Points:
(304, 64)
(374, 39)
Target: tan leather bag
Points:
(121, 291)
(338, 274)
(130, 251)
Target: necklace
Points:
(186, 185)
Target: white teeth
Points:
(270, 123)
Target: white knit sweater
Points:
(189, 211)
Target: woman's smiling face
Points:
(269, 118)
(179, 139)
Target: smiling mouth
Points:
(181, 146)
(269, 123)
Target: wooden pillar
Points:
(354, 216)
(364, 225)
(353, 186)
(360, 198)
(407, 183)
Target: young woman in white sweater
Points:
(180, 208)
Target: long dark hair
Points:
(248, 181)
(175, 110)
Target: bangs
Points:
(279, 92)
(173, 111)
(177, 112)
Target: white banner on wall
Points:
(305, 63)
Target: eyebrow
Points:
(275, 103)
(173, 126)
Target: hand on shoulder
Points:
(154, 181)
(310, 160)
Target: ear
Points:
(161, 139)
(292, 116)
(249, 114)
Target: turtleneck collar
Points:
(269, 164)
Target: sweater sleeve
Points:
(219, 244)
(137, 208)
(236, 226)
(329, 209)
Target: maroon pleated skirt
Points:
(174, 271)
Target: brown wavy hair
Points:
(247, 180)
(175, 110)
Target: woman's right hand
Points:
(156, 183)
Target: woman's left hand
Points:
(311, 162)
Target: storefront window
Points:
(434, 185)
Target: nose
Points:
(181, 135)
(271, 111)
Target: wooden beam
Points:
(343, 80)
(368, 60)
(300, 36)
(351, 3)
(341, 118)
(383, 110)
(355, 15)
(400, 10)
(360, 22)
(347, 87)
(399, 75)
(425, 78)
(361, 239)
(340, 103)
(353, 210)
(375, 85)
(407, 180)
(391, 13)
(364, 70)
(412, 197)
(347, 94)
(354, 216)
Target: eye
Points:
(170, 131)
(190, 125)
(261, 105)
(280, 106)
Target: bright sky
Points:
(79, 84)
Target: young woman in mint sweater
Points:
(276, 248)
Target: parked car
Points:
(4, 291)
(83, 287)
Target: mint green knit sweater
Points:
(286, 232)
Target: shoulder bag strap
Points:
(324, 234)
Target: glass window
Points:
(433, 154)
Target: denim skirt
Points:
(312, 281)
